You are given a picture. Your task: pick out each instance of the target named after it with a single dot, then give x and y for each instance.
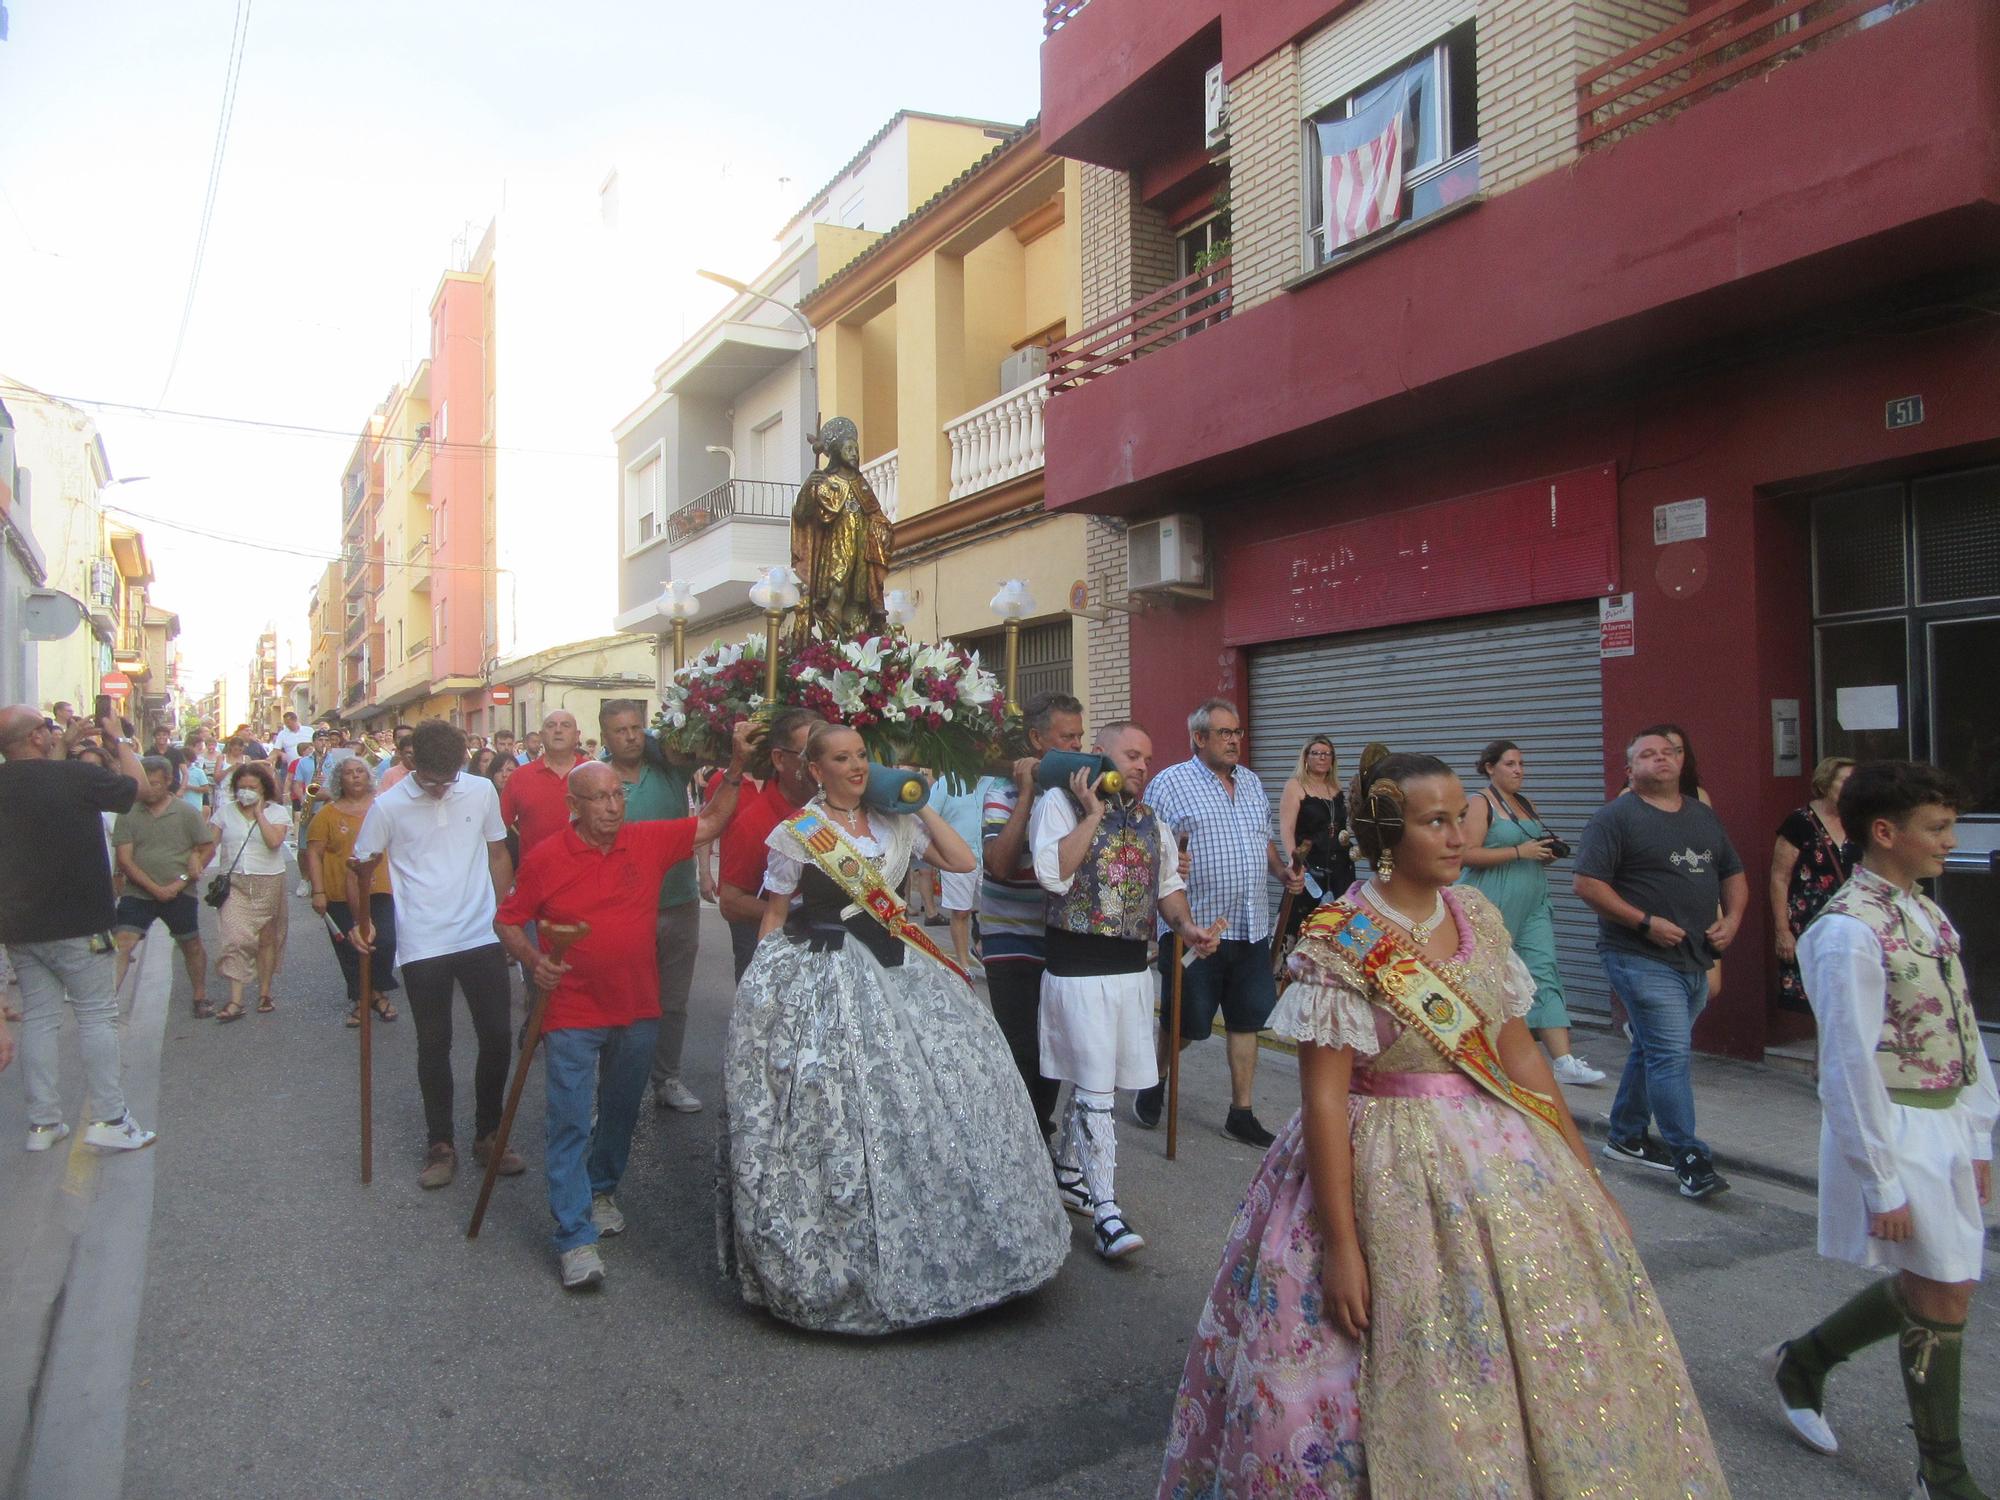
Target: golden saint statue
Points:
(840, 541)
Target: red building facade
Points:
(1703, 310)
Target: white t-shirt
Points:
(288, 741)
(437, 863)
(259, 858)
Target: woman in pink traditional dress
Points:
(1427, 1292)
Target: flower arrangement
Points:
(913, 703)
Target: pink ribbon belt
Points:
(1412, 1085)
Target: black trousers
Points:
(1015, 988)
(382, 967)
(482, 974)
(743, 944)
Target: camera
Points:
(1557, 847)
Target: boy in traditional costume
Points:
(1906, 1140)
(1109, 868)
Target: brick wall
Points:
(1266, 163)
(1108, 697)
(1128, 250)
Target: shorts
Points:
(182, 915)
(958, 892)
(1236, 980)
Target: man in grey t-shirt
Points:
(1656, 866)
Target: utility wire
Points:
(317, 554)
(232, 75)
(12, 392)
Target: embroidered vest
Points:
(1930, 1038)
(1116, 887)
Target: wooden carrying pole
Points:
(1174, 1051)
(559, 935)
(361, 875)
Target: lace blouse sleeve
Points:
(785, 863)
(1326, 1014)
(1517, 988)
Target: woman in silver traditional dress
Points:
(879, 1164)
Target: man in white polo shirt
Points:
(447, 849)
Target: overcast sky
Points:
(365, 138)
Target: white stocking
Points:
(1088, 1132)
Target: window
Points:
(438, 618)
(1431, 103)
(642, 500)
(1196, 248)
(438, 518)
(441, 427)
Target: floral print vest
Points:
(1116, 887)
(1930, 1039)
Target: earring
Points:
(1386, 865)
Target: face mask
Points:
(247, 796)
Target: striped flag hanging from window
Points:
(1363, 181)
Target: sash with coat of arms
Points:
(861, 879)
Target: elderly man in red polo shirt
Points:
(603, 1014)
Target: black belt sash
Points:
(1084, 955)
(825, 935)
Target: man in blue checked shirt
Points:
(1217, 806)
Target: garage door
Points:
(1447, 690)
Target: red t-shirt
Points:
(535, 803)
(743, 851)
(614, 975)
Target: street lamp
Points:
(744, 289)
(678, 603)
(1013, 604)
(900, 605)
(776, 592)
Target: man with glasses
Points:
(1217, 808)
(603, 1016)
(447, 849)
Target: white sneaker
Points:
(582, 1267)
(605, 1214)
(44, 1137)
(305, 890)
(122, 1134)
(673, 1094)
(1574, 1071)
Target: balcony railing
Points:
(757, 499)
(999, 441)
(1717, 46)
(1176, 311)
(1057, 14)
(882, 472)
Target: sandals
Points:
(203, 1011)
(230, 1012)
(265, 1005)
(1115, 1238)
(384, 1009)
(354, 1016)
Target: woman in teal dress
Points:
(1507, 855)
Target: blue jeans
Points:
(609, 1063)
(1662, 1002)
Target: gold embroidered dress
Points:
(1516, 1347)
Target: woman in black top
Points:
(1312, 819)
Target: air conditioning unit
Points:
(1023, 366)
(354, 609)
(1165, 556)
(1215, 108)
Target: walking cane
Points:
(1174, 1052)
(560, 935)
(361, 872)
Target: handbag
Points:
(218, 888)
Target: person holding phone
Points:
(1508, 850)
(56, 914)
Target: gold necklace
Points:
(1421, 931)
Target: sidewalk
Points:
(1759, 1120)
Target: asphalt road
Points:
(303, 1336)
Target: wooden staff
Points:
(1280, 951)
(361, 875)
(560, 936)
(1174, 1051)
